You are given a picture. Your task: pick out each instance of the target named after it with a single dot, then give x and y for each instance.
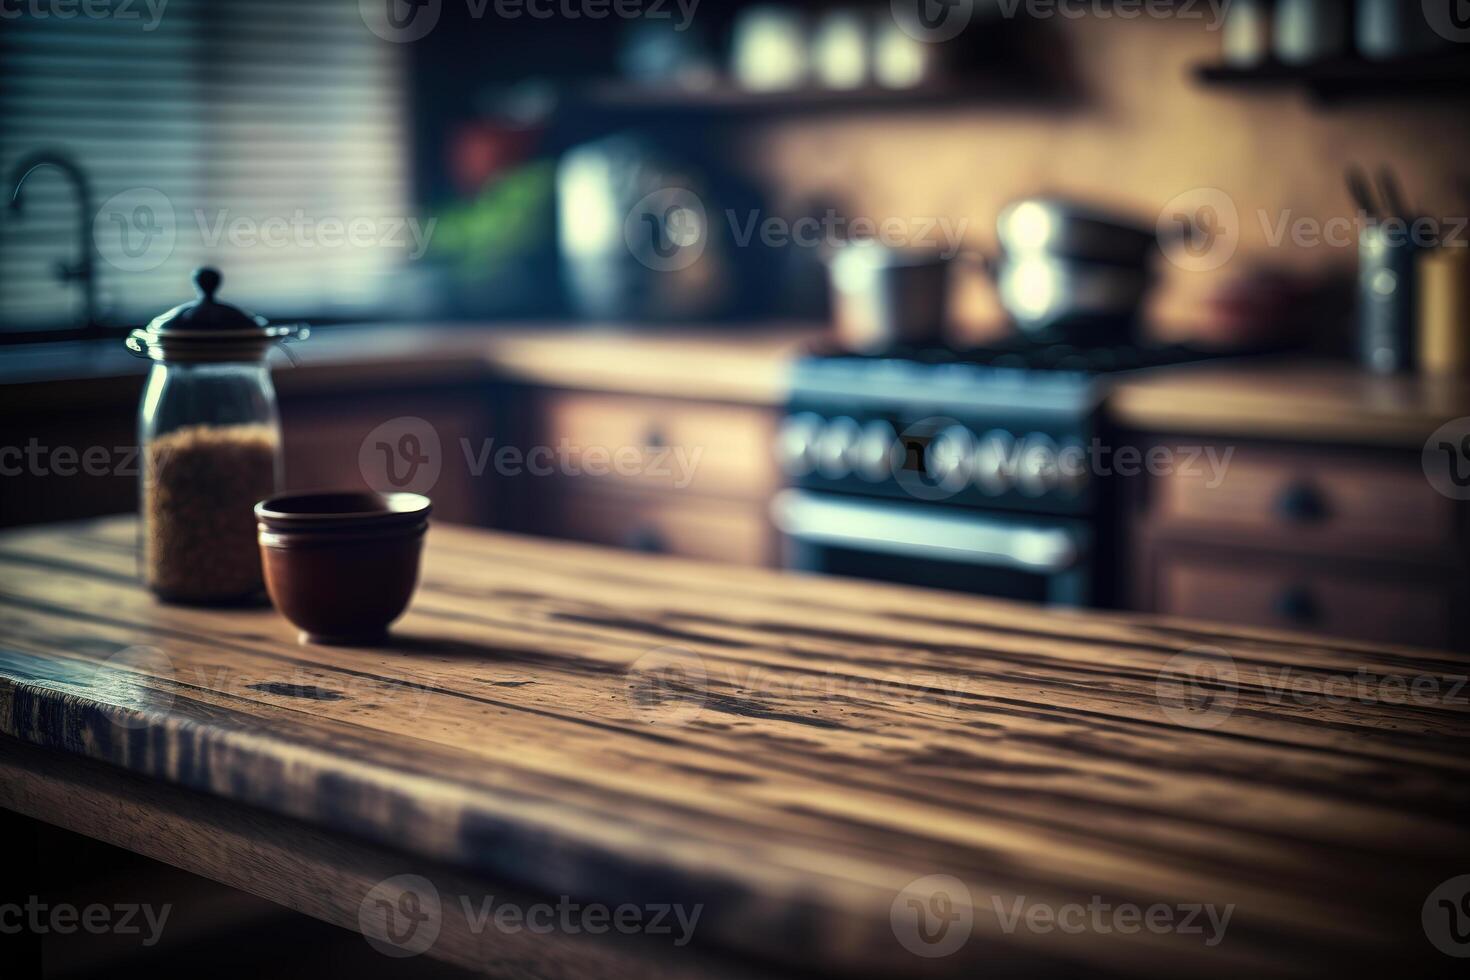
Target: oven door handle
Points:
(927, 532)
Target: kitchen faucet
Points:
(84, 269)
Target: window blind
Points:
(267, 136)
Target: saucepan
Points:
(1066, 273)
(884, 297)
(1071, 272)
(1066, 229)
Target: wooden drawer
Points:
(1308, 500)
(732, 532)
(324, 440)
(721, 450)
(1394, 605)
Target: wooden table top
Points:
(800, 757)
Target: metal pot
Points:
(1037, 226)
(1052, 298)
(882, 297)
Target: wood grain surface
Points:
(791, 755)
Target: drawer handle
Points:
(1298, 605)
(1301, 503)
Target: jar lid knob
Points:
(207, 280)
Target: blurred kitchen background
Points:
(255, 109)
(1022, 229)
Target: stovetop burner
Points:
(1022, 355)
(1005, 377)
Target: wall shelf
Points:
(1351, 79)
(729, 98)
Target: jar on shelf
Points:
(210, 447)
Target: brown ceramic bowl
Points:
(342, 566)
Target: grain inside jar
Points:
(200, 484)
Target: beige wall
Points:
(1144, 132)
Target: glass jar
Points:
(210, 448)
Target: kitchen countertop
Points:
(1302, 401)
(747, 366)
(797, 756)
(1294, 400)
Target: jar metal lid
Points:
(208, 331)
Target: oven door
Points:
(981, 552)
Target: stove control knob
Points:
(993, 465)
(947, 460)
(834, 447)
(796, 443)
(1037, 472)
(872, 457)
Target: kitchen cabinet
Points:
(84, 462)
(325, 435)
(1350, 542)
(666, 475)
(733, 532)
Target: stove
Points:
(978, 470)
